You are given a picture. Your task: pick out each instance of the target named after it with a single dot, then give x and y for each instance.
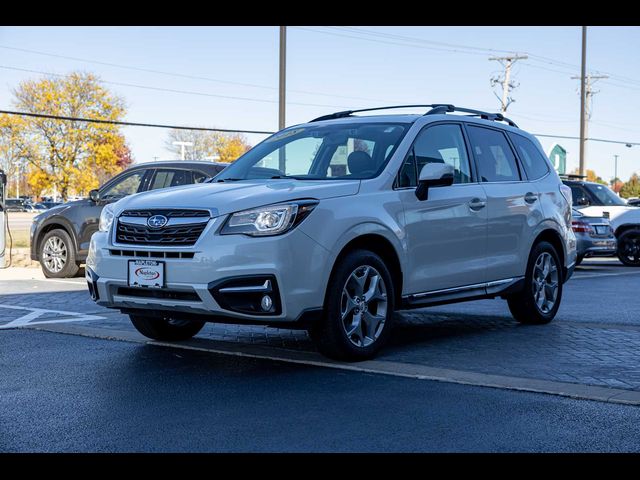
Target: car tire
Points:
(166, 329)
(629, 248)
(359, 305)
(579, 259)
(538, 302)
(57, 255)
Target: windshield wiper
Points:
(288, 176)
(229, 180)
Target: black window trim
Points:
(521, 162)
(521, 174)
(467, 144)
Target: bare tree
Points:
(204, 143)
(224, 147)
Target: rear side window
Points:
(534, 163)
(496, 161)
(169, 178)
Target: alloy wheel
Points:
(630, 249)
(54, 254)
(545, 282)
(363, 306)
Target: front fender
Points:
(53, 220)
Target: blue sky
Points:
(333, 69)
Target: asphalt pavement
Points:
(92, 395)
(463, 377)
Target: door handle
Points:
(477, 204)
(530, 197)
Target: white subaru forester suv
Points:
(335, 224)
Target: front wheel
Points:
(58, 255)
(539, 300)
(167, 329)
(358, 310)
(629, 248)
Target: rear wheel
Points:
(539, 300)
(168, 329)
(358, 309)
(57, 255)
(629, 248)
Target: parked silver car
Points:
(594, 235)
(334, 224)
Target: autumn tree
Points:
(12, 148)
(631, 188)
(591, 175)
(224, 147)
(69, 155)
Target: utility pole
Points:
(505, 80)
(583, 99)
(283, 80)
(586, 102)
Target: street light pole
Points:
(182, 147)
(583, 97)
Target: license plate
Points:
(146, 273)
(602, 229)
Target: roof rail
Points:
(448, 108)
(348, 113)
(435, 109)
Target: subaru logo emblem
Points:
(157, 221)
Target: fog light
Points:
(266, 303)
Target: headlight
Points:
(106, 218)
(268, 220)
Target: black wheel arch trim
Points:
(45, 227)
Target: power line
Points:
(180, 75)
(226, 130)
(130, 124)
(185, 92)
(458, 48)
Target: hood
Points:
(228, 197)
(58, 209)
(618, 214)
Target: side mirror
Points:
(94, 195)
(583, 201)
(433, 175)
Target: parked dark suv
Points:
(60, 236)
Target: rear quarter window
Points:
(534, 163)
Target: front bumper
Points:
(296, 263)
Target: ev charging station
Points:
(3, 219)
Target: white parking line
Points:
(36, 313)
(598, 275)
(79, 282)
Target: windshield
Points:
(604, 195)
(320, 152)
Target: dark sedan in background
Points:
(60, 236)
(594, 235)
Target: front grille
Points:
(150, 254)
(163, 294)
(179, 235)
(166, 213)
